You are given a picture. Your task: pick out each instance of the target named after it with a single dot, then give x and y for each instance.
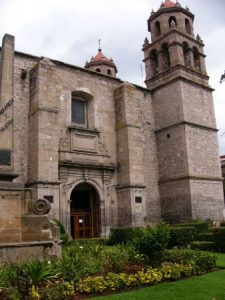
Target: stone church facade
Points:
(108, 153)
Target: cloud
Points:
(69, 31)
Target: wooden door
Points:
(81, 223)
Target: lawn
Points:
(207, 287)
(220, 259)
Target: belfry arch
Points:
(84, 211)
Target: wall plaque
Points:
(5, 157)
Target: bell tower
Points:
(188, 154)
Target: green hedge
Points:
(182, 236)
(204, 262)
(203, 245)
(124, 235)
(219, 238)
(201, 226)
(206, 237)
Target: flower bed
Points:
(93, 267)
(150, 276)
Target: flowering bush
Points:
(60, 291)
(151, 276)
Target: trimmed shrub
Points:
(219, 238)
(63, 234)
(203, 262)
(124, 235)
(182, 236)
(153, 242)
(203, 245)
(206, 237)
(201, 226)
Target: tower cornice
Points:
(176, 73)
(169, 10)
(174, 30)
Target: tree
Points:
(222, 78)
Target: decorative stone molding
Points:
(41, 207)
(4, 108)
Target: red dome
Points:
(168, 4)
(100, 59)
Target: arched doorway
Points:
(84, 212)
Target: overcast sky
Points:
(69, 30)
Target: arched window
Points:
(109, 72)
(172, 21)
(186, 53)
(187, 26)
(157, 29)
(166, 56)
(154, 62)
(98, 70)
(196, 56)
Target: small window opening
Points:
(109, 72)
(166, 56)
(157, 29)
(188, 26)
(154, 62)
(98, 70)
(186, 53)
(168, 135)
(172, 21)
(196, 56)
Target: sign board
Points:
(5, 157)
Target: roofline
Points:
(60, 63)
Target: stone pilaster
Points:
(6, 108)
(130, 189)
(43, 131)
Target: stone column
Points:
(6, 108)
(202, 64)
(161, 61)
(176, 54)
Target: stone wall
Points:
(176, 201)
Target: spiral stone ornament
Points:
(41, 207)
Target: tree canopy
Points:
(222, 78)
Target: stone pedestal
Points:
(25, 229)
